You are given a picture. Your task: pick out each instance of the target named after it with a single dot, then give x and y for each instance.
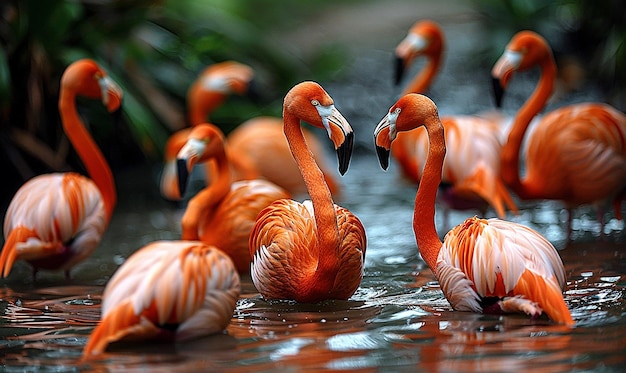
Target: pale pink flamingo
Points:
(57, 220)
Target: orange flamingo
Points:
(576, 154)
(56, 220)
(471, 170)
(314, 250)
(223, 213)
(256, 149)
(205, 95)
(482, 265)
(167, 290)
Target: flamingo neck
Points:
(220, 186)
(88, 151)
(201, 105)
(323, 205)
(426, 235)
(510, 156)
(424, 78)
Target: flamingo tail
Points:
(116, 325)
(497, 196)
(10, 251)
(547, 294)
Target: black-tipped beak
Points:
(344, 153)
(498, 91)
(399, 70)
(183, 175)
(253, 92)
(383, 157)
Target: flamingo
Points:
(57, 220)
(575, 154)
(167, 290)
(471, 171)
(315, 250)
(482, 265)
(256, 148)
(206, 94)
(223, 213)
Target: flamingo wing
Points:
(175, 289)
(496, 258)
(578, 153)
(279, 246)
(54, 221)
(229, 226)
(351, 254)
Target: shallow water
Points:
(397, 320)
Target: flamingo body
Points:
(315, 250)
(576, 154)
(223, 213)
(167, 290)
(55, 221)
(259, 144)
(478, 259)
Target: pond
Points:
(398, 320)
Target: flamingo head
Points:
(205, 141)
(309, 102)
(525, 50)
(425, 38)
(86, 78)
(217, 82)
(410, 111)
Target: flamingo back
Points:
(66, 217)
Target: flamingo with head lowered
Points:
(57, 220)
(315, 250)
(490, 266)
(167, 290)
(223, 213)
(471, 170)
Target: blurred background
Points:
(155, 49)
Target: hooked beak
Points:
(399, 69)
(498, 91)
(340, 132)
(383, 136)
(183, 175)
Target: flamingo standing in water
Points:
(576, 154)
(56, 220)
(471, 170)
(489, 266)
(256, 149)
(223, 213)
(167, 290)
(315, 250)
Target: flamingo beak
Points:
(183, 175)
(344, 153)
(384, 134)
(399, 69)
(498, 91)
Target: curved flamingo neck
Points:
(87, 150)
(424, 78)
(203, 204)
(510, 156)
(323, 205)
(202, 104)
(426, 235)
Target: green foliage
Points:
(154, 50)
(592, 32)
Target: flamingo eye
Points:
(397, 110)
(315, 102)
